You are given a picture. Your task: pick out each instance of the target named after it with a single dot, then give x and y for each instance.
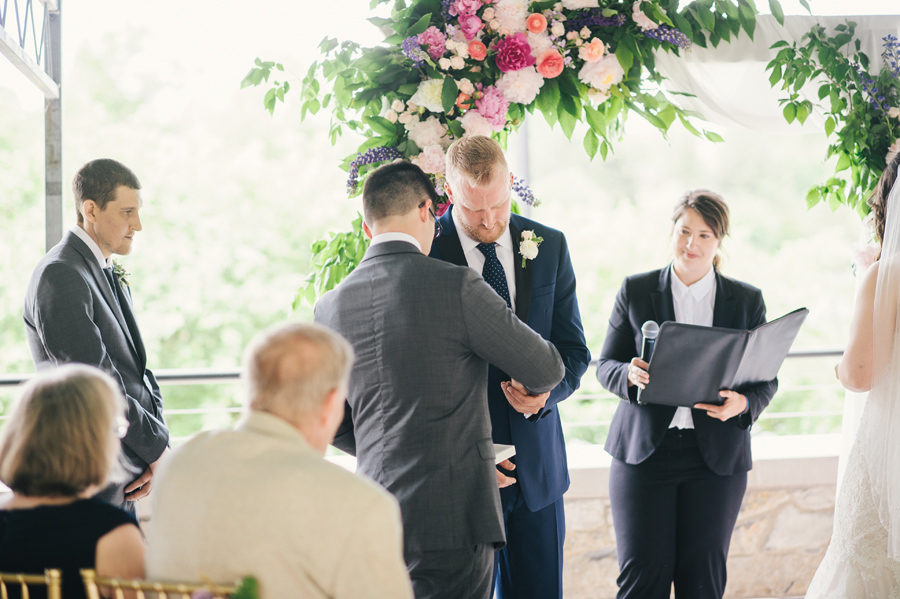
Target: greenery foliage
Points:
(434, 80)
(860, 122)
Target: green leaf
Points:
(813, 197)
(548, 100)
(596, 120)
(790, 112)
(715, 137)
(802, 113)
(604, 149)
(567, 122)
(777, 12)
(843, 163)
(449, 93)
(829, 126)
(626, 58)
(591, 143)
(805, 5)
(420, 26)
(456, 128)
(380, 125)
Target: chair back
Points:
(52, 579)
(149, 589)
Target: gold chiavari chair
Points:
(52, 579)
(148, 589)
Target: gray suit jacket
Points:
(71, 315)
(417, 418)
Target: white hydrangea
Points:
(521, 86)
(539, 43)
(579, 4)
(602, 74)
(429, 132)
(475, 124)
(511, 14)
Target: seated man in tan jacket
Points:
(260, 500)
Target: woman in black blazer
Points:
(678, 475)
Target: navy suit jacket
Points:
(637, 430)
(545, 300)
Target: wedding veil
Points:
(880, 441)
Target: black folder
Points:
(691, 364)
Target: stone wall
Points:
(779, 539)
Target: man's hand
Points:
(521, 401)
(735, 404)
(140, 487)
(504, 481)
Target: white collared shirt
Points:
(693, 305)
(475, 259)
(83, 236)
(395, 236)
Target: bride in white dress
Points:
(863, 559)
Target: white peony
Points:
(521, 86)
(579, 4)
(429, 132)
(511, 14)
(602, 74)
(539, 43)
(893, 112)
(642, 20)
(465, 86)
(457, 63)
(528, 249)
(475, 124)
(431, 160)
(428, 95)
(407, 118)
(444, 63)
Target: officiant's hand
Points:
(735, 404)
(504, 481)
(637, 373)
(522, 401)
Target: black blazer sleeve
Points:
(758, 396)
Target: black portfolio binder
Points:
(691, 364)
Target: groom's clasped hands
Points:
(521, 400)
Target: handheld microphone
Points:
(650, 331)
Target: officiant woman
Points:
(678, 475)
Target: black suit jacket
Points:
(637, 430)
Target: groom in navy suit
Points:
(480, 232)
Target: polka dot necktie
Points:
(493, 271)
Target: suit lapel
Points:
(103, 283)
(724, 308)
(128, 312)
(663, 306)
(524, 277)
(447, 244)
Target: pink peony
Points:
(477, 50)
(536, 23)
(464, 7)
(435, 40)
(642, 20)
(470, 25)
(493, 106)
(514, 53)
(431, 160)
(474, 124)
(550, 64)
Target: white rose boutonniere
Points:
(120, 272)
(528, 247)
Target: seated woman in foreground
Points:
(59, 447)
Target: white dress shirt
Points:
(395, 236)
(475, 259)
(83, 236)
(693, 305)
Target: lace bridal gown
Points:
(863, 559)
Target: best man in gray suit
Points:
(77, 309)
(417, 417)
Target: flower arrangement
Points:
(448, 68)
(862, 108)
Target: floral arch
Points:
(448, 68)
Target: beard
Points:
(483, 236)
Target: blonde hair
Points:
(291, 368)
(60, 438)
(474, 159)
(712, 209)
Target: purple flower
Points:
(493, 106)
(891, 55)
(514, 53)
(470, 25)
(413, 52)
(673, 36)
(524, 192)
(372, 155)
(435, 40)
(593, 19)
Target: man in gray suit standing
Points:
(79, 309)
(417, 417)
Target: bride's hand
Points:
(735, 404)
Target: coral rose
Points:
(550, 64)
(477, 50)
(463, 100)
(536, 23)
(593, 51)
(514, 53)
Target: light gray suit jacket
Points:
(417, 418)
(71, 315)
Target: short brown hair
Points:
(878, 200)
(394, 190)
(712, 208)
(60, 438)
(97, 180)
(291, 368)
(474, 159)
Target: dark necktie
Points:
(493, 271)
(111, 277)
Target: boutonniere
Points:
(120, 272)
(528, 247)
